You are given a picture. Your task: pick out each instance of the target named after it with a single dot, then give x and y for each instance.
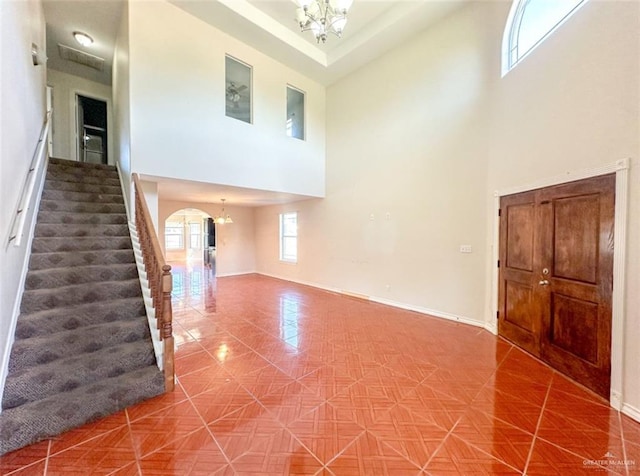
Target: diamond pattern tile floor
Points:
(276, 379)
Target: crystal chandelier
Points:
(323, 17)
(221, 219)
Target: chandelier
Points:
(323, 17)
(221, 219)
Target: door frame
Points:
(73, 120)
(621, 169)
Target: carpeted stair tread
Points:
(41, 350)
(58, 277)
(81, 196)
(83, 243)
(36, 421)
(80, 168)
(43, 381)
(82, 187)
(79, 258)
(64, 176)
(51, 230)
(56, 162)
(57, 218)
(81, 207)
(50, 321)
(40, 299)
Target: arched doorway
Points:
(186, 236)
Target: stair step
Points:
(50, 321)
(75, 177)
(93, 243)
(83, 169)
(81, 207)
(43, 419)
(36, 351)
(51, 230)
(45, 216)
(63, 375)
(79, 258)
(71, 196)
(56, 162)
(41, 299)
(82, 187)
(58, 277)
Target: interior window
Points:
(530, 23)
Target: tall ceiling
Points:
(374, 27)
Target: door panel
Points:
(556, 283)
(518, 314)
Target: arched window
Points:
(529, 23)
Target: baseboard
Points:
(239, 273)
(631, 411)
(422, 310)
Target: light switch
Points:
(465, 249)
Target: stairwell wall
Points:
(22, 111)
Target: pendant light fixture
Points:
(222, 219)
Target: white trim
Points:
(621, 169)
(387, 302)
(124, 195)
(239, 273)
(631, 411)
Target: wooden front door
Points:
(556, 276)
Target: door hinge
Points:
(499, 212)
(497, 314)
(498, 263)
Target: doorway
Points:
(556, 276)
(91, 130)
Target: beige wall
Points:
(419, 140)
(235, 253)
(65, 88)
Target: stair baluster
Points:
(160, 282)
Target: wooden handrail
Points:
(160, 283)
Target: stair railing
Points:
(160, 283)
(26, 198)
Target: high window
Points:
(530, 23)
(289, 237)
(295, 113)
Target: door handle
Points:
(544, 282)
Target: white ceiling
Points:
(374, 27)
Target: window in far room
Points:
(530, 23)
(289, 237)
(295, 113)
(174, 236)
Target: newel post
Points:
(167, 328)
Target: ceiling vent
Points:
(81, 57)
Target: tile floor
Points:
(277, 378)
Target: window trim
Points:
(512, 30)
(282, 236)
(304, 112)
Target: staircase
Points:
(82, 346)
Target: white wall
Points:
(178, 123)
(417, 154)
(22, 111)
(122, 105)
(573, 104)
(235, 246)
(444, 132)
(65, 88)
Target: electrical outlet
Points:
(465, 249)
(372, 217)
